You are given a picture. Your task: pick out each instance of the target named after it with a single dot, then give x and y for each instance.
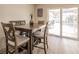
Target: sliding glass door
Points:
(54, 19)
(68, 27)
(70, 22)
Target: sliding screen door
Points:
(54, 21)
(70, 22)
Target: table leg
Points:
(21, 32)
(7, 47)
(30, 42)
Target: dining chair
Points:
(19, 23)
(13, 41)
(41, 36)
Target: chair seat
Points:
(39, 34)
(17, 32)
(20, 40)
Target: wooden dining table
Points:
(30, 29)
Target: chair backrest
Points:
(46, 31)
(17, 23)
(9, 32)
(40, 22)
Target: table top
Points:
(28, 27)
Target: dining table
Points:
(30, 29)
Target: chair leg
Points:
(44, 48)
(6, 49)
(46, 42)
(28, 47)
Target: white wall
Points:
(15, 12)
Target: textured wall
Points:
(15, 12)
